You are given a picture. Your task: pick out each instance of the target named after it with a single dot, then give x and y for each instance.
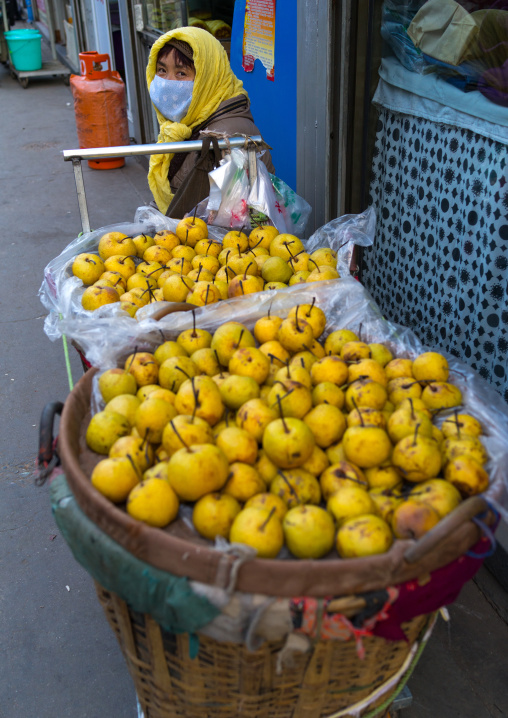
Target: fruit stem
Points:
(263, 525)
(194, 332)
(358, 410)
(178, 435)
(246, 268)
(315, 263)
(136, 468)
(132, 358)
(240, 338)
(296, 319)
(194, 217)
(218, 362)
(179, 368)
(311, 306)
(290, 487)
(413, 416)
(415, 434)
(286, 430)
(241, 286)
(206, 296)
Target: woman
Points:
(192, 88)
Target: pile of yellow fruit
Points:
(186, 266)
(277, 437)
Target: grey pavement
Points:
(58, 656)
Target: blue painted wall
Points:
(273, 104)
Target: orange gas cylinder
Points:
(100, 108)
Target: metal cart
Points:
(160, 148)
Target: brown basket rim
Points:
(283, 578)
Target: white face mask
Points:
(171, 97)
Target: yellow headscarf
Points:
(214, 83)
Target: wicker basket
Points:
(226, 680)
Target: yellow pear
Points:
(296, 486)
(366, 446)
(285, 246)
(151, 417)
(156, 253)
(367, 368)
(293, 372)
(190, 230)
(197, 470)
(467, 446)
(140, 451)
(166, 350)
(238, 445)
(288, 442)
(460, 425)
(235, 239)
(441, 395)
(380, 353)
(250, 361)
(349, 502)
(185, 430)
(335, 453)
(261, 236)
(267, 328)
(266, 468)
(336, 340)
(430, 366)
(113, 243)
(365, 393)
(366, 535)
(213, 515)
(317, 462)
(260, 529)
(326, 392)
(340, 474)
(166, 238)
(125, 404)
(193, 339)
(104, 429)
(200, 396)
(275, 352)
(202, 294)
(157, 471)
(254, 416)
(276, 269)
(467, 475)
(401, 388)
(208, 247)
(268, 501)
(94, 297)
(175, 370)
(143, 367)
(243, 481)
(88, 267)
(329, 369)
(386, 501)
(236, 390)
(355, 351)
(176, 288)
(295, 334)
(440, 494)
(324, 256)
(383, 477)
(327, 423)
(115, 478)
(412, 519)
(417, 458)
(290, 398)
(403, 422)
(309, 532)
(366, 416)
(113, 382)
(206, 361)
(399, 368)
(154, 502)
(228, 338)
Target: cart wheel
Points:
(23, 81)
(67, 80)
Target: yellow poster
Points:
(259, 35)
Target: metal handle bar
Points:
(160, 148)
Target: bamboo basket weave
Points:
(226, 680)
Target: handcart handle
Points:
(464, 512)
(171, 308)
(47, 457)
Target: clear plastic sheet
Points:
(347, 304)
(61, 292)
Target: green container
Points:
(25, 49)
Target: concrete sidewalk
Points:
(59, 656)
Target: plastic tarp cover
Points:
(61, 292)
(168, 599)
